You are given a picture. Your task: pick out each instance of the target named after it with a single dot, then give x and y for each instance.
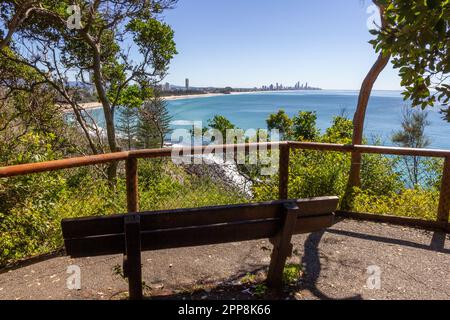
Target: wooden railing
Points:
(131, 157)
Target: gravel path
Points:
(414, 264)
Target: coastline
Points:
(97, 105)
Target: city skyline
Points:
(247, 44)
(275, 85)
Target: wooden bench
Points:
(130, 234)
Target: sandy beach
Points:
(97, 105)
(193, 96)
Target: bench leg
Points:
(282, 247)
(132, 263)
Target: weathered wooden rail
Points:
(130, 157)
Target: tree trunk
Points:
(360, 114)
(107, 109)
(23, 11)
(83, 127)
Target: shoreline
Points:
(98, 105)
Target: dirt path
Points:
(414, 264)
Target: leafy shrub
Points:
(292, 274)
(32, 225)
(416, 203)
(317, 173)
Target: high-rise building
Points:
(187, 84)
(167, 86)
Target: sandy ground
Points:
(413, 264)
(97, 105)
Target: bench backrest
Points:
(105, 235)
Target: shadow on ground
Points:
(333, 265)
(310, 276)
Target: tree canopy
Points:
(417, 34)
(280, 121)
(106, 44)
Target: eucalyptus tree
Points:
(107, 44)
(363, 101)
(12, 15)
(416, 34)
(418, 37)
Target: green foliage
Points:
(379, 175)
(153, 123)
(99, 47)
(433, 169)
(134, 96)
(412, 135)
(31, 207)
(414, 203)
(260, 290)
(31, 225)
(280, 121)
(221, 124)
(154, 38)
(253, 283)
(249, 279)
(304, 126)
(292, 274)
(341, 131)
(36, 204)
(128, 126)
(417, 37)
(314, 173)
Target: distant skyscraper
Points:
(167, 87)
(187, 84)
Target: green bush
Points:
(32, 207)
(415, 203)
(32, 225)
(317, 173)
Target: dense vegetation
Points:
(31, 207)
(384, 180)
(416, 36)
(33, 127)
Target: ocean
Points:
(251, 110)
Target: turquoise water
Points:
(251, 111)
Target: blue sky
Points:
(247, 43)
